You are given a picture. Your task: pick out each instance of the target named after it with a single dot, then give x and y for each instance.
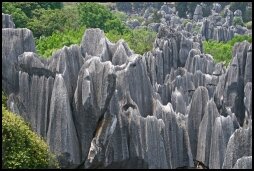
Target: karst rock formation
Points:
(100, 105)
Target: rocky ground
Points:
(103, 106)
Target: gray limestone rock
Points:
(205, 132)
(61, 134)
(68, 62)
(133, 23)
(217, 7)
(185, 47)
(154, 26)
(198, 13)
(238, 13)
(99, 105)
(248, 102)
(14, 43)
(178, 102)
(195, 115)
(175, 136)
(134, 80)
(95, 87)
(120, 56)
(223, 128)
(248, 66)
(94, 43)
(243, 163)
(239, 145)
(7, 21)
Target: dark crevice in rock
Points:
(128, 105)
(37, 71)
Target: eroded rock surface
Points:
(100, 105)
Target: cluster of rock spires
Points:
(214, 26)
(99, 105)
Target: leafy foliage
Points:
(4, 99)
(181, 7)
(45, 22)
(46, 46)
(206, 8)
(222, 51)
(19, 17)
(22, 12)
(139, 40)
(238, 21)
(22, 148)
(249, 25)
(241, 6)
(94, 15)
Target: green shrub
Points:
(45, 46)
(22, 148)
(45, 22)
(139, 40)
(238, 21)
(185, 21)
(19, 17)
(120, 15)
(4, 99)
(222, 51)
(94, 15)
(239, 38)
(249, 25)
(22, 12)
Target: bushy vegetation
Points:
(22, 12)
(238, 21)
(94, 15)
(4, 99)
(222, 51)
(45, 22)
(241, 6)
(249, 25)
(46, 46)
(139, 40)
(22, 148)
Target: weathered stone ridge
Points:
(102, 106)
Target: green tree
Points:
(22, 148)
(192, 6)
(238, 21)
(206, 8)
(222, 51)
(46, 46)
(94, 15)
(181, 7)
(23, 12)
(19, 17)
(241, 6)
(45, 22)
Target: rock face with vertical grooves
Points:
(239, 145)
(205, 132)
(61, 134)
(244, 163)
(7, 21)
(222, 130)
(100, 105)
(195, 115)
(95, 87)
(14, 43)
